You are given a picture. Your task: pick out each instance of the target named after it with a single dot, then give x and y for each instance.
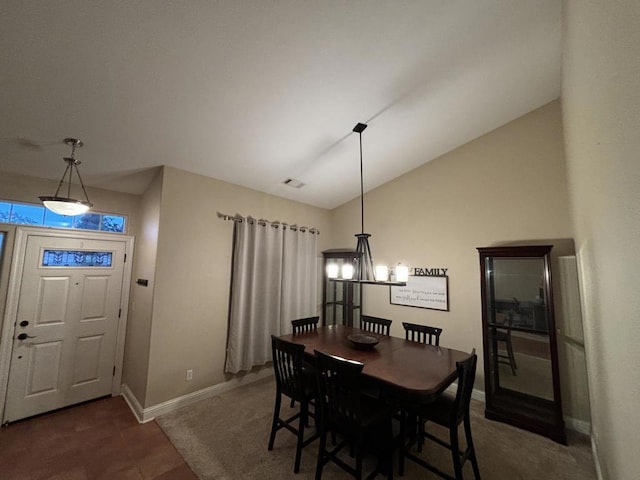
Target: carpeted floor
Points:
(225, 438)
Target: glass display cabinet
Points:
(341, 301)
(522, 385)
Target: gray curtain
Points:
(273, 281)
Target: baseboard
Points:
(596, 458)
(577, 425)
(475, 394)
(134, 404)
(144, 415)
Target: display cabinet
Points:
(522, 384)
(341, 301)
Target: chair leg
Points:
(274, 423)
(404, 418)
(512, 358)
(389, 449)
(470, 447)
(421, 426)
(455, 452)
(358, 454)
(302, 420)
(321, 451)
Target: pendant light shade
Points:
(67, 205)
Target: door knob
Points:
(24, 336)
(24, 323)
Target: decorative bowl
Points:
(363, 341)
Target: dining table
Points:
(406, 370)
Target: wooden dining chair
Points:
(504, 335)
(449, 412)
(422, 333)
(290, 382)
(361, 422)
(375, 324)
(304, 325)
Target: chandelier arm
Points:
(72, 164)
(62, 180)
(81, 183)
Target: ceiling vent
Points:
(292, 182)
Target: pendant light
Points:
(364, 270)
(67, 205)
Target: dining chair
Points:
(422, 333)
(375, 324)
(449, 412)
(504, 335)
(290, 382)
(304, 325)
(361, 422)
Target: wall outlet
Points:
(189, 375)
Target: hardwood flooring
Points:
(96, 440)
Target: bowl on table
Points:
(363, 341)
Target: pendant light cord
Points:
(361, 188)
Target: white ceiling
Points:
(253, 92)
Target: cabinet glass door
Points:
(522, 383)
(519, 345)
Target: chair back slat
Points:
(422, 333)
(287, 366)
(305, 325)
(375, 324)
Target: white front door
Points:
(66, 327)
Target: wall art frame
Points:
(423, 291)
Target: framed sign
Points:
(423, 292)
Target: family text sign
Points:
(424, 292)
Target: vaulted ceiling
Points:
(254, 92)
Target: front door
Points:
(66, 327)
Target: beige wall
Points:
(506, 186)
(601, 101)
(136, 361)
(191, 297)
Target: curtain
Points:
(299, 277)
(273, 281)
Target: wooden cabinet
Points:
(522, 385)
(341, 301)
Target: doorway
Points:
(65, 320)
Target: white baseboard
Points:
(596, 458)
(575, 424)
(144, 415)
(134, 404)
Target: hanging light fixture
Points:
(364, 270)
(67, 205)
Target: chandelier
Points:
(362, 270)
(67, 205)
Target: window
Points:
(76, 258)
(36, 215)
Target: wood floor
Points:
(96, 440)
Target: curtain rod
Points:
(239, 218)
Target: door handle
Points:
(24, 336)
(24, 323)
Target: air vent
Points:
(292, 182)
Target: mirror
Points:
(519, 329)
(522, 384)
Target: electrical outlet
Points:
(189, 375)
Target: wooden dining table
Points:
(405, 369)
